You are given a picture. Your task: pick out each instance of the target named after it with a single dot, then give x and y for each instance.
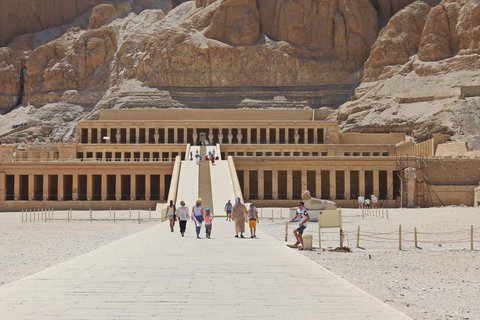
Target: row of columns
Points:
(89, 185)
(170, 157)
(195, 136)
(318, 183)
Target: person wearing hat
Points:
(303, 218)
(197, 216)
(252, 220)
(183, 216)
(208, 223)
(239, 216)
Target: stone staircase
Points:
(205, 183)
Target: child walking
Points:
(208, 222)
(252, 220)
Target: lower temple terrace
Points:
(138, 158)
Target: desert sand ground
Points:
(29, 247)
(438, 280)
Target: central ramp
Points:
(156, 274)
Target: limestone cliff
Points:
(418, 70)
(225, 53)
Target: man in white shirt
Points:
(303, 217)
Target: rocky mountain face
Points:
(89, 54)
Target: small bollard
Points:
(110, 213)
(138, 216)
(22, 215)
(91, 216)
(149, 213)
(130, 213)
(114, 214)
(307, 242)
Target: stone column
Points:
(289, 185)
(185, 136)
(277, 135)
(16, 187)
(249, 135)
(118, 136)
(3, 189)
(210, 135)
(75, 187)
(133, 184)
(220, 135)
(60, 188)
(246, 184)
(104, 187)
(333, 185)
(162, 186)
(268, 135)
(376, 179)
(118, 187)
(361, 178)
(347, 184)
(305, 136)
(390, 184)
(109, 135)
(45, 187)
(315, 136)
(258, 136)
(99, 135)
(304, 180)
(166, 135)
(156, 136)
(296, 136)
(89, 187)
(275, 184)
(31, 186)
(128, 136)
(239, 136)
(175, 135)
(147, 187)
(137, 135)
(261, 184)
(318, 184)
(89, 135)
(147, 135)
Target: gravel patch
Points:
(29, 247)
(438, 280)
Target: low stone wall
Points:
(455, 172)
(453, 195)
(294, 203)
(12, 206)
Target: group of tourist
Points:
(210, 156)
(238, 212)
(367, 203)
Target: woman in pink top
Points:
(208, 222)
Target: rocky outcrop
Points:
(343, 29)
(397, 42)
(77, 60)
(236, 22)
(102, 15)
(19, 17)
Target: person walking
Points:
(374, 201)
(252, 220)
(171, 215)
(239, 216)
(183, 216)
(197, 156)
(197, 216)
(303, 216)
(191, 155)
(228, 210)
(208, 223)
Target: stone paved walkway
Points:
(156, 274)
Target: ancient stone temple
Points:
(137, 158)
